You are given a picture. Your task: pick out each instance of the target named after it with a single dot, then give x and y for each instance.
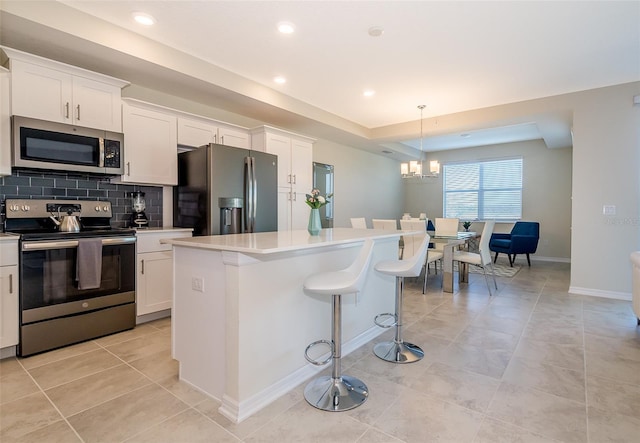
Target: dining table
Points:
(450, 243)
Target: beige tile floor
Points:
(530, 364)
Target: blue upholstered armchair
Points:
(523, 239)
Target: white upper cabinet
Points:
(295, 172)
(150, 144)
(52, 91)
(195, 132)
(5, 123)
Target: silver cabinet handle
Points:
(78, 109)
(10, 283)
(128, 168)
(142, 266)
(289, 178)
(66, 109)
(222, 140)
(294, 179)
(215, 138)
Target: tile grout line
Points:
(52, 404)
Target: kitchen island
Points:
(241, 319)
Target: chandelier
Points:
(415, 168)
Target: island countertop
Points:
(282, 241)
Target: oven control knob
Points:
(85, 305)
(105, 208)
(25, 208)
(14, 208)
(97, 208)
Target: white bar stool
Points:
(337, 392)
(399, 351)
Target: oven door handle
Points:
(65, 244)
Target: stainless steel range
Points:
(77, 274)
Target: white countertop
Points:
(282, 241)
(8, 237)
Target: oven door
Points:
(48, 286)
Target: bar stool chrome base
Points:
(398, 352)
(336, 394)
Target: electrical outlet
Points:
(197, 284)
(609, 210)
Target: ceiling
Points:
(450, 56)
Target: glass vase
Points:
(314, 226)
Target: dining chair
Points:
(447, 226)
(482, 258)
(359, 223)
(386, 224)
(412, 242)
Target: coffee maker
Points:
(138, 217)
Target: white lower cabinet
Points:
(8, 293)
(154, 270)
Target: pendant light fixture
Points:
(415, 168)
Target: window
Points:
(483, 190)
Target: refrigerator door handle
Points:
(250, 191)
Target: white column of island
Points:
(241, 319)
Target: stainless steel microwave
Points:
(42, 144)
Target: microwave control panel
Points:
(111, 154)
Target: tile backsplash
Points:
(26, 183)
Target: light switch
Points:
(609, 209)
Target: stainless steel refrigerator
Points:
(211, 176)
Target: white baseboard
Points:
(552, 259)
(153, 316)
(600, 293)
(238, 411)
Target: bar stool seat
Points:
(399, 351)
(337, 392)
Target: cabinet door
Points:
(150, 147)
(96, 105)
(41, 92)
(284, 208)
(299, 210)
(233, 137)
(195, 133)
(302, 165)
(281, 146)
(154, 285)
(8, 306)
(5, 125)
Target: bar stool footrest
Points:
(378, 322)
(336, 394)
(398, 352)
(316, 343)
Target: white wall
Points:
(606, 171)
(366, 185)
(546, 195)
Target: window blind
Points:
(483, 190)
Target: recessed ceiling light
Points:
(280, 80)
(143, 18)
(286, 27)
(369, 93)
(376, 31)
